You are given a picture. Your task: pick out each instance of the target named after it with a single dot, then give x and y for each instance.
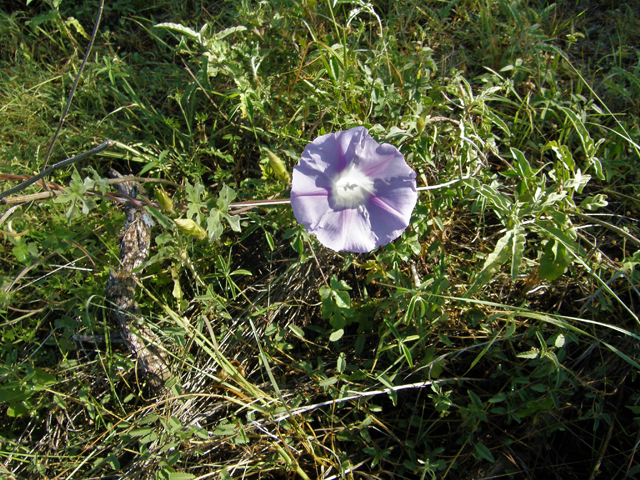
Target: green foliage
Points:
(501, 324)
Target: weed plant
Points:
(496, 338)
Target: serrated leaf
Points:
(475, 399)
(529, 355)
(484, 452)
(71, 21)
(194, 200)
(328, 382)
(501, 397)
(297, 331)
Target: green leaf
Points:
(113, 461)
(517, 251)
(341, 363)
(141, 432)
(214, 225)
(511, 329)
(532, 354)
(21, 252)
(563, 154)
(17, 410)
(337, 335)
(522, 165)
(501, 202)
(173, 457)
(42, 379)
(593, 203)
(194, 200)
(501, 397)
(297, 331)
(270, 241)
(178, 28)
(492, 264)
(554, 261)
(234, 222)
(225, 429)
(444, 339)
(228, 31)
(328, 382)
(484, 452)
(588, 145)
(226, 196)
(475, 400)
(181, 476)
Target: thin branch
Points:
(55, 167)
(75, 85)
(112, 181)
(602, 223)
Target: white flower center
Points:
(351, 188)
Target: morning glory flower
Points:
(351, 192)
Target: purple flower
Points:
(353, 193)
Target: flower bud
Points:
(188, 226)
(421, 123)
(164, 200)
(278, 167)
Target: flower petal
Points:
(346, 230)
(330, 153)
(390, 210)
(309, 197)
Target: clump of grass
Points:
(497, 330)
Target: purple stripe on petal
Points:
(373, 170)
(342, 160)
(309, 211)
(346, 230)
(387, 207)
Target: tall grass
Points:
(496, 338)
